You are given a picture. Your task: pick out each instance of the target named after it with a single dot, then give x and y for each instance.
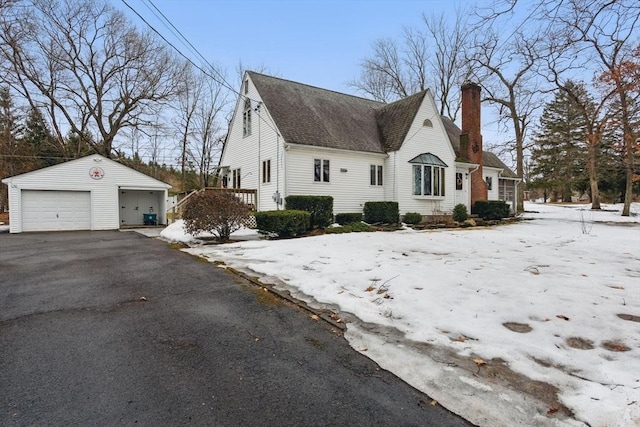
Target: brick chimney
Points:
(471, 129)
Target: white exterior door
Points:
(462, 184)
(56, 210)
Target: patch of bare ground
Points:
(579, 343)
(615, 346)
(521, 328)
(629, 317)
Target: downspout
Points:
(258, 184)
(470, 181)
(278, 169)
(285, 148)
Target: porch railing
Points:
(247, 196)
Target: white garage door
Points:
(56, 210)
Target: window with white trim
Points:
(376, 175)
(236, 178)
(320, 170)
(428, 175)
(246, 118)
(266, 171)
(489, 182)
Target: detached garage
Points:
(91, 193)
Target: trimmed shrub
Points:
(354, 227)
(460, 213)
(360, 226)
(216, 212)
(320, 208)
(348, 218)
(381, 212)
(490, 209)
(412, 218)
(285, 223)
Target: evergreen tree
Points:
(559, 164)
(12, 155)
(39, 140)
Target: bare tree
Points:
(186, 107)
(448, 65)
(599, 38)
(199, 123)
(432, 57)
(387, 75)
(610, 30)
(87, 65)
(208, 126)
(505, 65)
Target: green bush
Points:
(460, 213)
(348, 218)
(320, 208)
(217, 212)
(381, 212)
(354, 227)
(284, 223)
(490, 209)
(360, 226)
(412, 218)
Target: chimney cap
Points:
(469, 83)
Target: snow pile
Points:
(176, 233)
(556, 297)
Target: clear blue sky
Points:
(320, 43)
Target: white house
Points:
(287, 138)
(90, 193)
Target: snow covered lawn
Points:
(557, 298)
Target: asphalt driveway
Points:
(105, 328)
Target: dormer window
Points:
(246, 118)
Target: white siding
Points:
(74, 176)
(349, 178)
(421, 139)
(493, 173)
(248, 152)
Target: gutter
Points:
(343, 150)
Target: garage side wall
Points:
(96, 174)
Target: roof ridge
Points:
(406, 99)
(382, 104)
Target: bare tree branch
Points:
(88, 65)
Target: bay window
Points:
(428, 175)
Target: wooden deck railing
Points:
(247, 196)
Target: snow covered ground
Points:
(556, 297)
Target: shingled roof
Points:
(312, 116)
(318, 117)
(453, 132)
(491, 160)
(394, 120)
(309, 115)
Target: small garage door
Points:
(56, 210)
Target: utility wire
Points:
(219, 79)
(193, 48)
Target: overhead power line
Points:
(218, 77)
